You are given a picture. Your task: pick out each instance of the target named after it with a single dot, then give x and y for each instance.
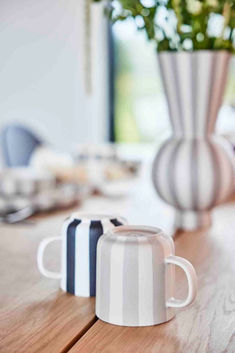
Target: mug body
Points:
(80, 235)
(133, 281)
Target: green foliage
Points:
(180, 24)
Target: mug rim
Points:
(153, 231)
(87, 217)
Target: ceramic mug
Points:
(79, 238)
(135, 277)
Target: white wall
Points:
(42, 70)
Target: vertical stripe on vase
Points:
(183, 176)
(205, 176)
(203, 90)
(82, 285)
(226, 58)
(172, 168)
(145, 283)
(196, 189)
(176, 79)
(194, 91)
(156, 169)
(230, 161)
(164, 171)
(159, 280)
(220, 78)
(116, 284)
(131, 283)
(215, 90)
(227, 166)
(170, 96)
(71, 245)
(194, 170)
(216, 174)
(185, 83)
(211, 97)
(96, 230)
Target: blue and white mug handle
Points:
(40, 256)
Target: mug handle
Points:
(40, 255)
(191, 278)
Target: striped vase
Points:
(194, 169)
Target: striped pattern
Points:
(133, 285)
(194, 84)
(80, 237)
(194, 170)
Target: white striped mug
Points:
(135, 277)
(79, 238)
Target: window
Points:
(141, 113)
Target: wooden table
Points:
(36, 316)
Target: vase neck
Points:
(193, 125)
(194, 84)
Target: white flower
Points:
(215, 25)
(194, 6)
(212, 3)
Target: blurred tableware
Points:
(25, 181)
(63, 195)
(18, 144)
(106, 172)
(16, 215)
(95, 159)
(79, 238)
(121, 169)
(60, 164)
(16, 208)
(96, 151)
(135, 277)
(48, 159)
(118, 188)
(120, 178)
(97, 166)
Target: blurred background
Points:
(43, 65)
(69, 76)
(141, 113)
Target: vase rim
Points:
(202, 51)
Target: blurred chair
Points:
(18, 143)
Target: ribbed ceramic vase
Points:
(194, 169)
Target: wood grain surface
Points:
(35, 315)
(208, 325)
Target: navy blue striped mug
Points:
(80, 235)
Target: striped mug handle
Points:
(40, 255)
(192, 282)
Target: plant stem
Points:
(226, 14)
